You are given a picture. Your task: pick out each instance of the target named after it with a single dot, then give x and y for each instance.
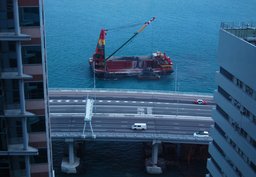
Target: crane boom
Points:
(134, 35)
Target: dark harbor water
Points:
(186, 30)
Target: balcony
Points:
(11, 36)
(14, 75)
(18, 149)
(17, 113)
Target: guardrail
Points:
(128, 91)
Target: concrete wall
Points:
(237, 56)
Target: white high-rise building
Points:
(233, 150)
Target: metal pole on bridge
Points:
(94, 81)
(176, 88)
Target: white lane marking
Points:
(109, 101)
(126, 101)
(75, 101)
(84, 101)
(67, 101)
(142, 102)
(59, 101)
(51, 101)
(151, 102)
(133, 101)
(100, 101)
(117, 101)
(158, 103)
(167, 103)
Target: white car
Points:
(201, 134)
(139, 126)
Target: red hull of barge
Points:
(134, 66)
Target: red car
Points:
(200, 101)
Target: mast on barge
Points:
(98, 59)
(158, 63)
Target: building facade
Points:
(25, 147)
(233, 150)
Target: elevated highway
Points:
(170, 117)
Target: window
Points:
(224, 93)
(248, 90)
(14, 131)
(29, 16)
(1, 100)
(17, 166)
(11, 92)
(219, 130)
(3, 135)
(6, 11)
(239, 83)
(226, 74)
(34, 90)
(12, 46)
(4, 166)
(222, 112)
(36, 124)
(41, 157)
(13, 62)
(31, 54)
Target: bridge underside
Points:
(134, 137)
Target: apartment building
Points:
(25, 147)
(233, 150)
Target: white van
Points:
(139, 126)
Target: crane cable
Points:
(125, 26)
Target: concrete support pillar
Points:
(151, 165)
(16, 16)
(70, 164)
(27, 162)
(154, 154)
(71, 155)
(25, 133)
(178, 146)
